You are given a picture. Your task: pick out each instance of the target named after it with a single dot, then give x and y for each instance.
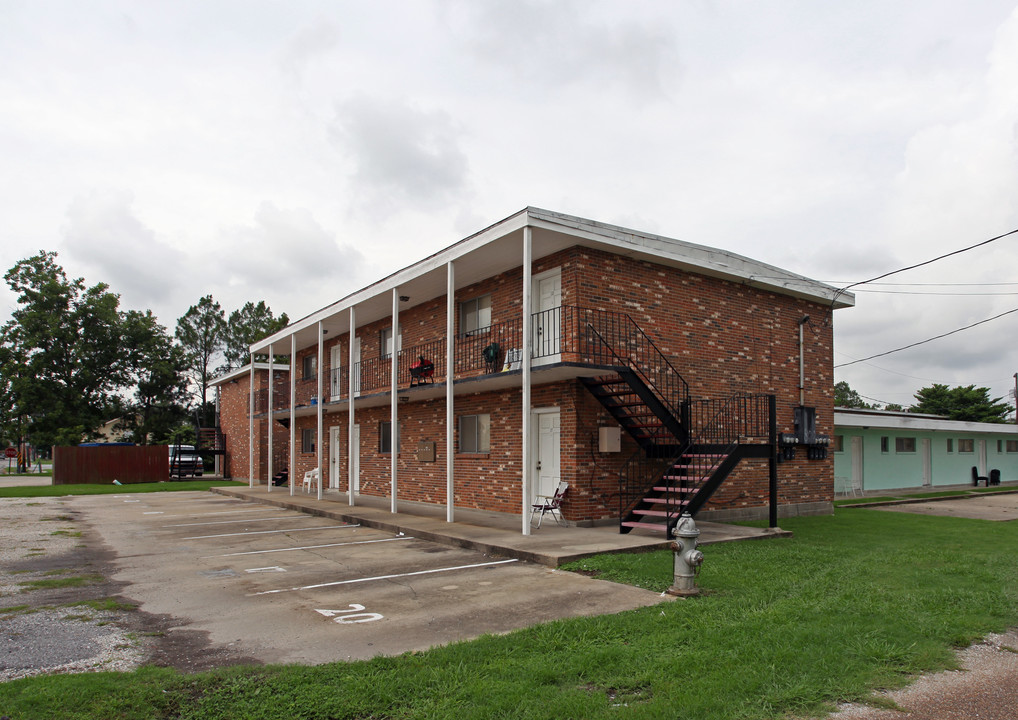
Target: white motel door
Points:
(857, 460)
(335, 372)
(547, 298)
(355, 459)
(547, 471)
(927, 453)
(334, 451)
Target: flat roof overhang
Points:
(498, 249)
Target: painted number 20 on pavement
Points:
(355, 614)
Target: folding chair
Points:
(552, 504)
(310, 481)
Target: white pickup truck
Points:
(185, 461)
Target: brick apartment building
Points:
(662, 376)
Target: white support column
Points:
(450, 416)
(393, 409)
(293, 417)
(318, 432)
(350, 469)
(250, 424)
(272, 408)
(525, 419)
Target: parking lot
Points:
(282, 586)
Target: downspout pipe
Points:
(802, 363)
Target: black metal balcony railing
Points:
(583, 336)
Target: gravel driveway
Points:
(59, 612)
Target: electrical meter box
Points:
(609, 439)
(426, 451)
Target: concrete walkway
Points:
(490, 532)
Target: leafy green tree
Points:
(159, 403)
(246, 326)
(200, 332)
(961, 403)
(895, 407)
(846, 397)
(62, 353)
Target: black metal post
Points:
(772, 433)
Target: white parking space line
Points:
(219, 512)
(306, 547)
(385, 577)
(233, 522)
(153, 512)
(266, 532)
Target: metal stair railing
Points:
(718, 427)
(616, 340)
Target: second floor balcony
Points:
(563, 336)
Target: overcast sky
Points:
(296, 151)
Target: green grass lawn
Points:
(854, 602)
(111, 489)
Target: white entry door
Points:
(857, 458)
(547, 299)
(334, 450)
(355, 460)
(336, 372)
(927, 453)
(356, 369)
(547, 446)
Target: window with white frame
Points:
(475, 433)
(1011, 446)
(385, 342)
(307, 440)
(385, 437)
(310, 367)
(904, 445)
(967, 445)
(475, 315)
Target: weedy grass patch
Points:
(854, 602)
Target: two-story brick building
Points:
(650, 374)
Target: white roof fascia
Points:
(246, 370)
(699, 258)
(917, 423)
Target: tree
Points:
(159, 404)
(62, 353)
(967, 403)
(246, 326)
(200, 332)
(846, 397)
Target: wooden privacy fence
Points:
(105, 463)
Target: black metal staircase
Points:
(686, 449)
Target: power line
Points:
(918, 265)
(951, 294)
(923, 342)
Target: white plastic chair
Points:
(310, 481)
(550, 504)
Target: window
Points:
(904, 445)
(475, 433)
(307, 440)
(1012, 446)
(839, 443)
(950, 445)
(385, 342)
(1000, 444)
(884, 444)
(475, 315)
(966, 446)
(310, 367)
(385, 437)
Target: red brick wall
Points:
(723, 337)
(234, 398)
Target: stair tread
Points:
(648, 526)
(653, 513)
(673, 489)
(665, 501)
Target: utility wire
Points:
(918, 265)
(923, 342)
